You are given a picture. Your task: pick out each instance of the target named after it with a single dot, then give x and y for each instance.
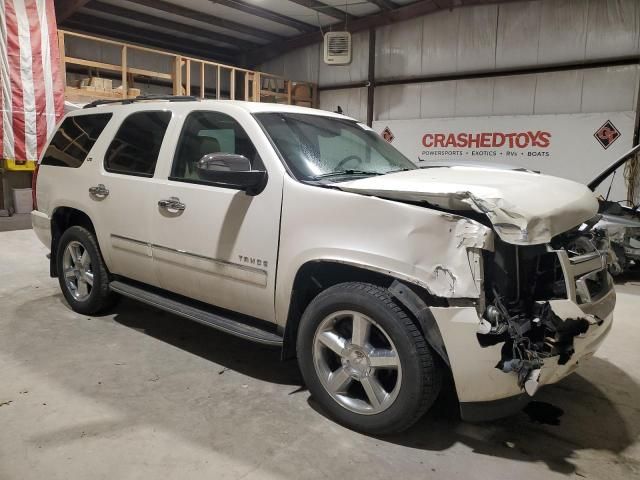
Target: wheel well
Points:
(316, 276)
(61, 220)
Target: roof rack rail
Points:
(142, 98)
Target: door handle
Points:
(172, 203)
(99, 191)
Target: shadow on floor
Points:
(252, 359)
(593, 418)
(588, 418)
(631, 277)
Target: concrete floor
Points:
(142, 394)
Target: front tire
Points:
(365, 360)
(82, 274)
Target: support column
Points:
(371, 85)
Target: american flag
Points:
(31, 80)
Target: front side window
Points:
(210, 132)
(134, 150)
(314, 146)
(74, 139)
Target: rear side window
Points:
(134, 150)
(74, 139)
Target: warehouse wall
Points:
(484, 39)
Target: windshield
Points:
(316, 147)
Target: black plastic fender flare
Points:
(422, 312)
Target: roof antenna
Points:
(339, 110)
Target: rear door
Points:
(221, 246)
(123, 196)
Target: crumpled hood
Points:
(525, 208)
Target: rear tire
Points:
(365, 360)
(82, 274)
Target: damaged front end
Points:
(525, 289)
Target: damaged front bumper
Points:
(490, 377)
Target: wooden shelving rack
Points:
(258, 86)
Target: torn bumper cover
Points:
(518, 345)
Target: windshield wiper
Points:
(339, 173)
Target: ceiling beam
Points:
(97, 6)
(66, 8)
(325, 9)
(251, 9)
(413, 10)
(384, 5)
(148, 38)
(175, 9)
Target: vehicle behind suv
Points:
(305, 230)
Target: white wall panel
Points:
(518, 32)
(474, 97)
(514, 95)
(438, 99)
(563, 31)
(440, 42)
(397, 101)
(301, 64)
(477, 38)
(559, 92)
(609, 89)
(612, 28)
(353, 102)
(399, 50)
(586, 91)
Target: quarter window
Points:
(209, 132)
(134, 150)
(74, 139)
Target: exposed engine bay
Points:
(520, 282)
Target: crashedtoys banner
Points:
(574, 146)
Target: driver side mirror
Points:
(231, 171)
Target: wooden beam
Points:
(66, 8)
(62, 50)
(218, 83)
(384, 5)
(325, 9)
(413, 10)
(232, 84)
(206, 18)
(254, 10)
(123, 64)
(120, 31)
(187, 77)
(98, 6)
(177, 76)
(201, 79)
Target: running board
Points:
(195, 311)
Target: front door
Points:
(216, 244)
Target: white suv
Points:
(304, 229)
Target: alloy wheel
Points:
(77, 271)
(356, 362)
